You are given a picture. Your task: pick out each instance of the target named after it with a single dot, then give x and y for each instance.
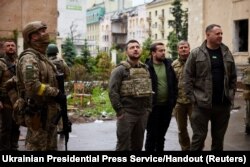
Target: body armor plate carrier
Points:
(138, 83)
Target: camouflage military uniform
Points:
(130, 94)
(60, 64)
(246, 94)
(35, 76)
(37, 84)
(183, 108)
(62, 67)
(9, 130)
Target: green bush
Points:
(100, 106)
(101, 102)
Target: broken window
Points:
(241, 35)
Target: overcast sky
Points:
(139, 2)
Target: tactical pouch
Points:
(142, 87)
(33, 121)
(136, 87)
(19, 111)
(127, 88)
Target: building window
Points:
(141, 23)
(241, 35)
(156, 13)
(154, 25)
(171, 10)
(155, 36)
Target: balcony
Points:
(161, 17)
(161, 29)
(149, 31)
(149, 19)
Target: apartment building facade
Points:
(94, 15)
(232, 15)
(158, 17)
(137, 24)
(100, 38)
(15, 14)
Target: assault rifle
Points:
(63, 112)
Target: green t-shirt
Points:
(162, 93)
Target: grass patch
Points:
(98, 107)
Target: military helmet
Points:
(52, 49)
(31, 28)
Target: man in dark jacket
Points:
(164, 86)
(210, 84)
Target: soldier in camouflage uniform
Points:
(60, 64)
(246, 95)
(62, 67)
(37, 85)
(183, 107)
(130, 95)
(9, 130)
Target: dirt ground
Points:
(77, 119)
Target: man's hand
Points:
(120, 114)
(11, 83)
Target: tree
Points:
(69, 52)
(146, 49)
(85, 55)
(180, 27)
(103, 66)
(172, 44)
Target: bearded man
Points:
(9, 130)
(130, 93)
(164, 85)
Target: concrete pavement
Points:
(101, 135)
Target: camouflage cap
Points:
(32, 27)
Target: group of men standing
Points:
(29, 93)
(200, 85)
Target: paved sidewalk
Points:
(101, 135)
